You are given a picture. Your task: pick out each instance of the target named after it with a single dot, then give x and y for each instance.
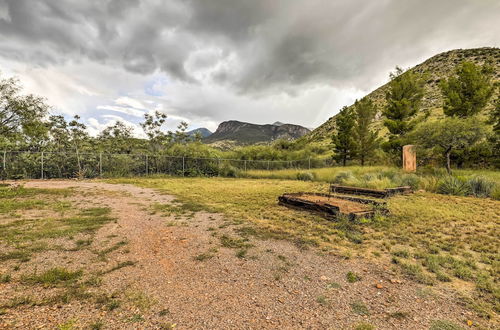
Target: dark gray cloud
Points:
(247, 49)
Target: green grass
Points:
(377, 177)
(434, 238)
(53, 277)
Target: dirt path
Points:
(183, 276)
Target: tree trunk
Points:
(448, 161)
(344, 159)
(362, 160)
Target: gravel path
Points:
(184, 277)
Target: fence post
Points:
(42, 166)
(268, 163)
(4, 162)
(100, 164)
(183, 166)
(309, 162)
(245, 165)
(147, 165)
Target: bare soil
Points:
(185, 277)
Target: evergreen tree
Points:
(404, 96)
(366, 138)
(343, 140)
(468, 92)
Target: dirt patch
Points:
(197, 270)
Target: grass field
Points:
(434, 239)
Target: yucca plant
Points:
(480, 186)
(451, 185)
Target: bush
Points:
(480, 186)
(342, 177)
(229, 171)
(411, 180)
(305, 176)
(451, 185)
(495, 193)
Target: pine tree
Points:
(343, 140)
(404, 97)
(468, 92)
(366, 137)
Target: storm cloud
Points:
(207, 61)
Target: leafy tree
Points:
(468, 92)
(366, 137)
(20, 114)
(343, 140)
(79, 139)
(404, 97)
(152, 126)
(117, 138)
(449, 134)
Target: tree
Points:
(366, 137)
(404, 97)
(343, 140)
(152, 126)
(117, 138)
(79, 139)
(449, 134)
(468, 92)
(21, 114)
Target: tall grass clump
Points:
(480, 186)
(451, 185)
(305, 176)
(342, 177)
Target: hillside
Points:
(241, 133)
(435, 68)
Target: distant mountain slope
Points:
(437, 67)
(246, 133)
(204, 132)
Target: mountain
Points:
(435, 68)
(278, 123)
(240, 133)
(204, 132)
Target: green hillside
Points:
(434, 69)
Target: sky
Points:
(208, 61)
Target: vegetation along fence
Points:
(47, 165)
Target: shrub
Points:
(451, 185)
(495, 193)
(229, 171)
(342, 177)
(411, 180)
(480, 186)
(305, 176)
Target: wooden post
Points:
(245, 162)
(147, 169)
(268, 162)
(4, 161)
(42, 166)
(183, 166)
(409, 158)
(309, 162)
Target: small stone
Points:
(379, 286)
(324, 278)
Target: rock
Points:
(324, 278)
(379, 286)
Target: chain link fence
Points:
(48, 165)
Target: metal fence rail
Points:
(46, 165)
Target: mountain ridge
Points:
(244, 133)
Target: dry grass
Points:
(434, 239)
